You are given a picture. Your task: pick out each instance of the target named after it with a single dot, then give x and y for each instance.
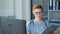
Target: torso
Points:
(37, 29)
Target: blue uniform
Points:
(34, 28)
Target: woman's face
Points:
(37, 13)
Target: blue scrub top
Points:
(35, 28)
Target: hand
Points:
(51, 33)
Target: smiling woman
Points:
(38, 22)
(38, 25)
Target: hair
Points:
(37, 6)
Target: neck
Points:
(38, 20)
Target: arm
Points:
(28, 32)
(28, 28)
(51, 32)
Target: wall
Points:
(6, 8)
(22, 9)
(17, 8)
(26, 9)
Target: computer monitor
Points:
(13, 26)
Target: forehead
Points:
(38, 10)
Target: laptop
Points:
(13, 26)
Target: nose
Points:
(39, 14)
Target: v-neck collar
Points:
(36, 22)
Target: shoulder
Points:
(29, 23)
(28, 26)
(47, 22)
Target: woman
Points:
(38, 25)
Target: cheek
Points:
(41, 14)
(35, 15)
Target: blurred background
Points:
(22, 9)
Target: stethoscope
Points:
(32, 22)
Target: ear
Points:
(33, 12)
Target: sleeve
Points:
(28, 27)
(47, 22)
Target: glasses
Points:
(38, 13)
